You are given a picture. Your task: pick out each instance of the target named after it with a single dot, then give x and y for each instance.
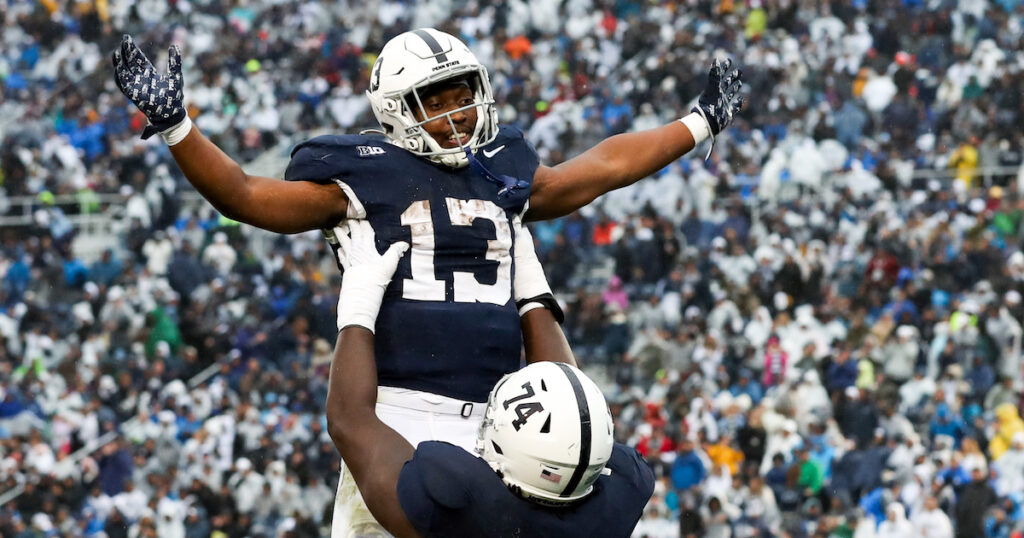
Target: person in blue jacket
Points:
(687, 469)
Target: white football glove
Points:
(530, 287)
(367, 273)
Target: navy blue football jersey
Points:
(448, 324)
(446, 491)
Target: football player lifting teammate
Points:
(544, 462)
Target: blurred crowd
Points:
(816, 332)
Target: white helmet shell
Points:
(412, 61)
(547, 431)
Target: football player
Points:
(544, 462)
(444, 177)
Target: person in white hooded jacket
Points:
(931, 521)
(895, 524)
(1010, 467)
(781, 441)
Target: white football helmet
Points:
(547, 432)
(413, 61)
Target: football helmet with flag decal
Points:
(413, 61)
(547, 432)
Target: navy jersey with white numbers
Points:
(448, 324)
(446, 491)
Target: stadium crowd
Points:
(809, 334)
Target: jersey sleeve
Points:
(432, 483)
(345, 160)
(628, 466)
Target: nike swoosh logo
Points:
(494, 151)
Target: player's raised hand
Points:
(159, 96)
(367, 273)
(721, 99)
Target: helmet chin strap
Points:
(508, 184)
(454, 160)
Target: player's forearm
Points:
(543, 338)
(217, 177)
(352, 394)
(268, 203)
(616, 162)
(352, 387)
(631, 157)
(373, 452)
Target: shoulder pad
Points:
(631, 466)
(507, 133)
(326, 158)
(440, 467)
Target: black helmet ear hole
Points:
(497, 448)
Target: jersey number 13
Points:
(424, 286)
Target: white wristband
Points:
(698, 126)
(177, 133)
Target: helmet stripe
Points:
(585, 434)
(435, 47)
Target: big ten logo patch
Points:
(366, 151)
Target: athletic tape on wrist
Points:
(698, 127)
(348, 317)
(359, 301)
(177, 133)
(365, 322)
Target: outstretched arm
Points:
(373, 452)
(624, 159)
(616, 162)
(539, 312)
(271, 204)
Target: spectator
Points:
(115, 468)
(687, 470)
(895, 523)
(1010, 467)
(157, 251)
(972, 504)
(1009, 424)
(931, 521)
(220, 255)
(775, 363)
